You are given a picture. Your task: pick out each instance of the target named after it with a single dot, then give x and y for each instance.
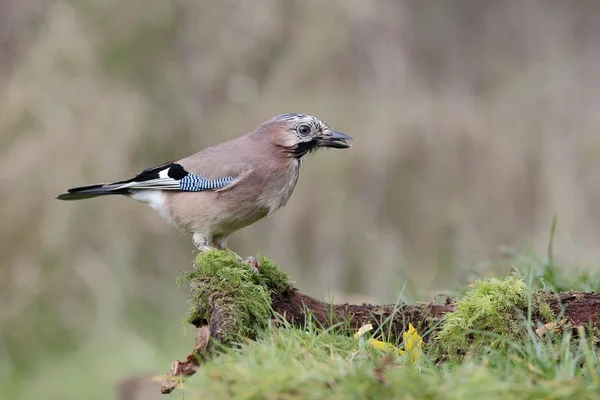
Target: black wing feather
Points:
(176, 172)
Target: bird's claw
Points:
(253, 263)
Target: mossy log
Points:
(230, 301)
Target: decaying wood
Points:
(578, 308)
(183, 369)
(294, 305)
(574, 308)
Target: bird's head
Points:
(300, 134)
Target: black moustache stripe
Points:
(302, 149)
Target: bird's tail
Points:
(88, 192)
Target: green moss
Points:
(493, 311)
(543, 309)
(222, 280)
(272, 276)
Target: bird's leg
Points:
(220, 242)
(201, 242)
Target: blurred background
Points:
(475, 122)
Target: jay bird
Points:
(229, 186)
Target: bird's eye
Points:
(303, 129)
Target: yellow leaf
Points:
(385, 346)
(413, 343)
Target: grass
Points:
(486, 349)
(291, 363)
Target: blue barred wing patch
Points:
(195, 183)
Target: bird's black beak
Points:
(334, 139)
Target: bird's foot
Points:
(203, 244)
(250, 261)
(253, 263)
